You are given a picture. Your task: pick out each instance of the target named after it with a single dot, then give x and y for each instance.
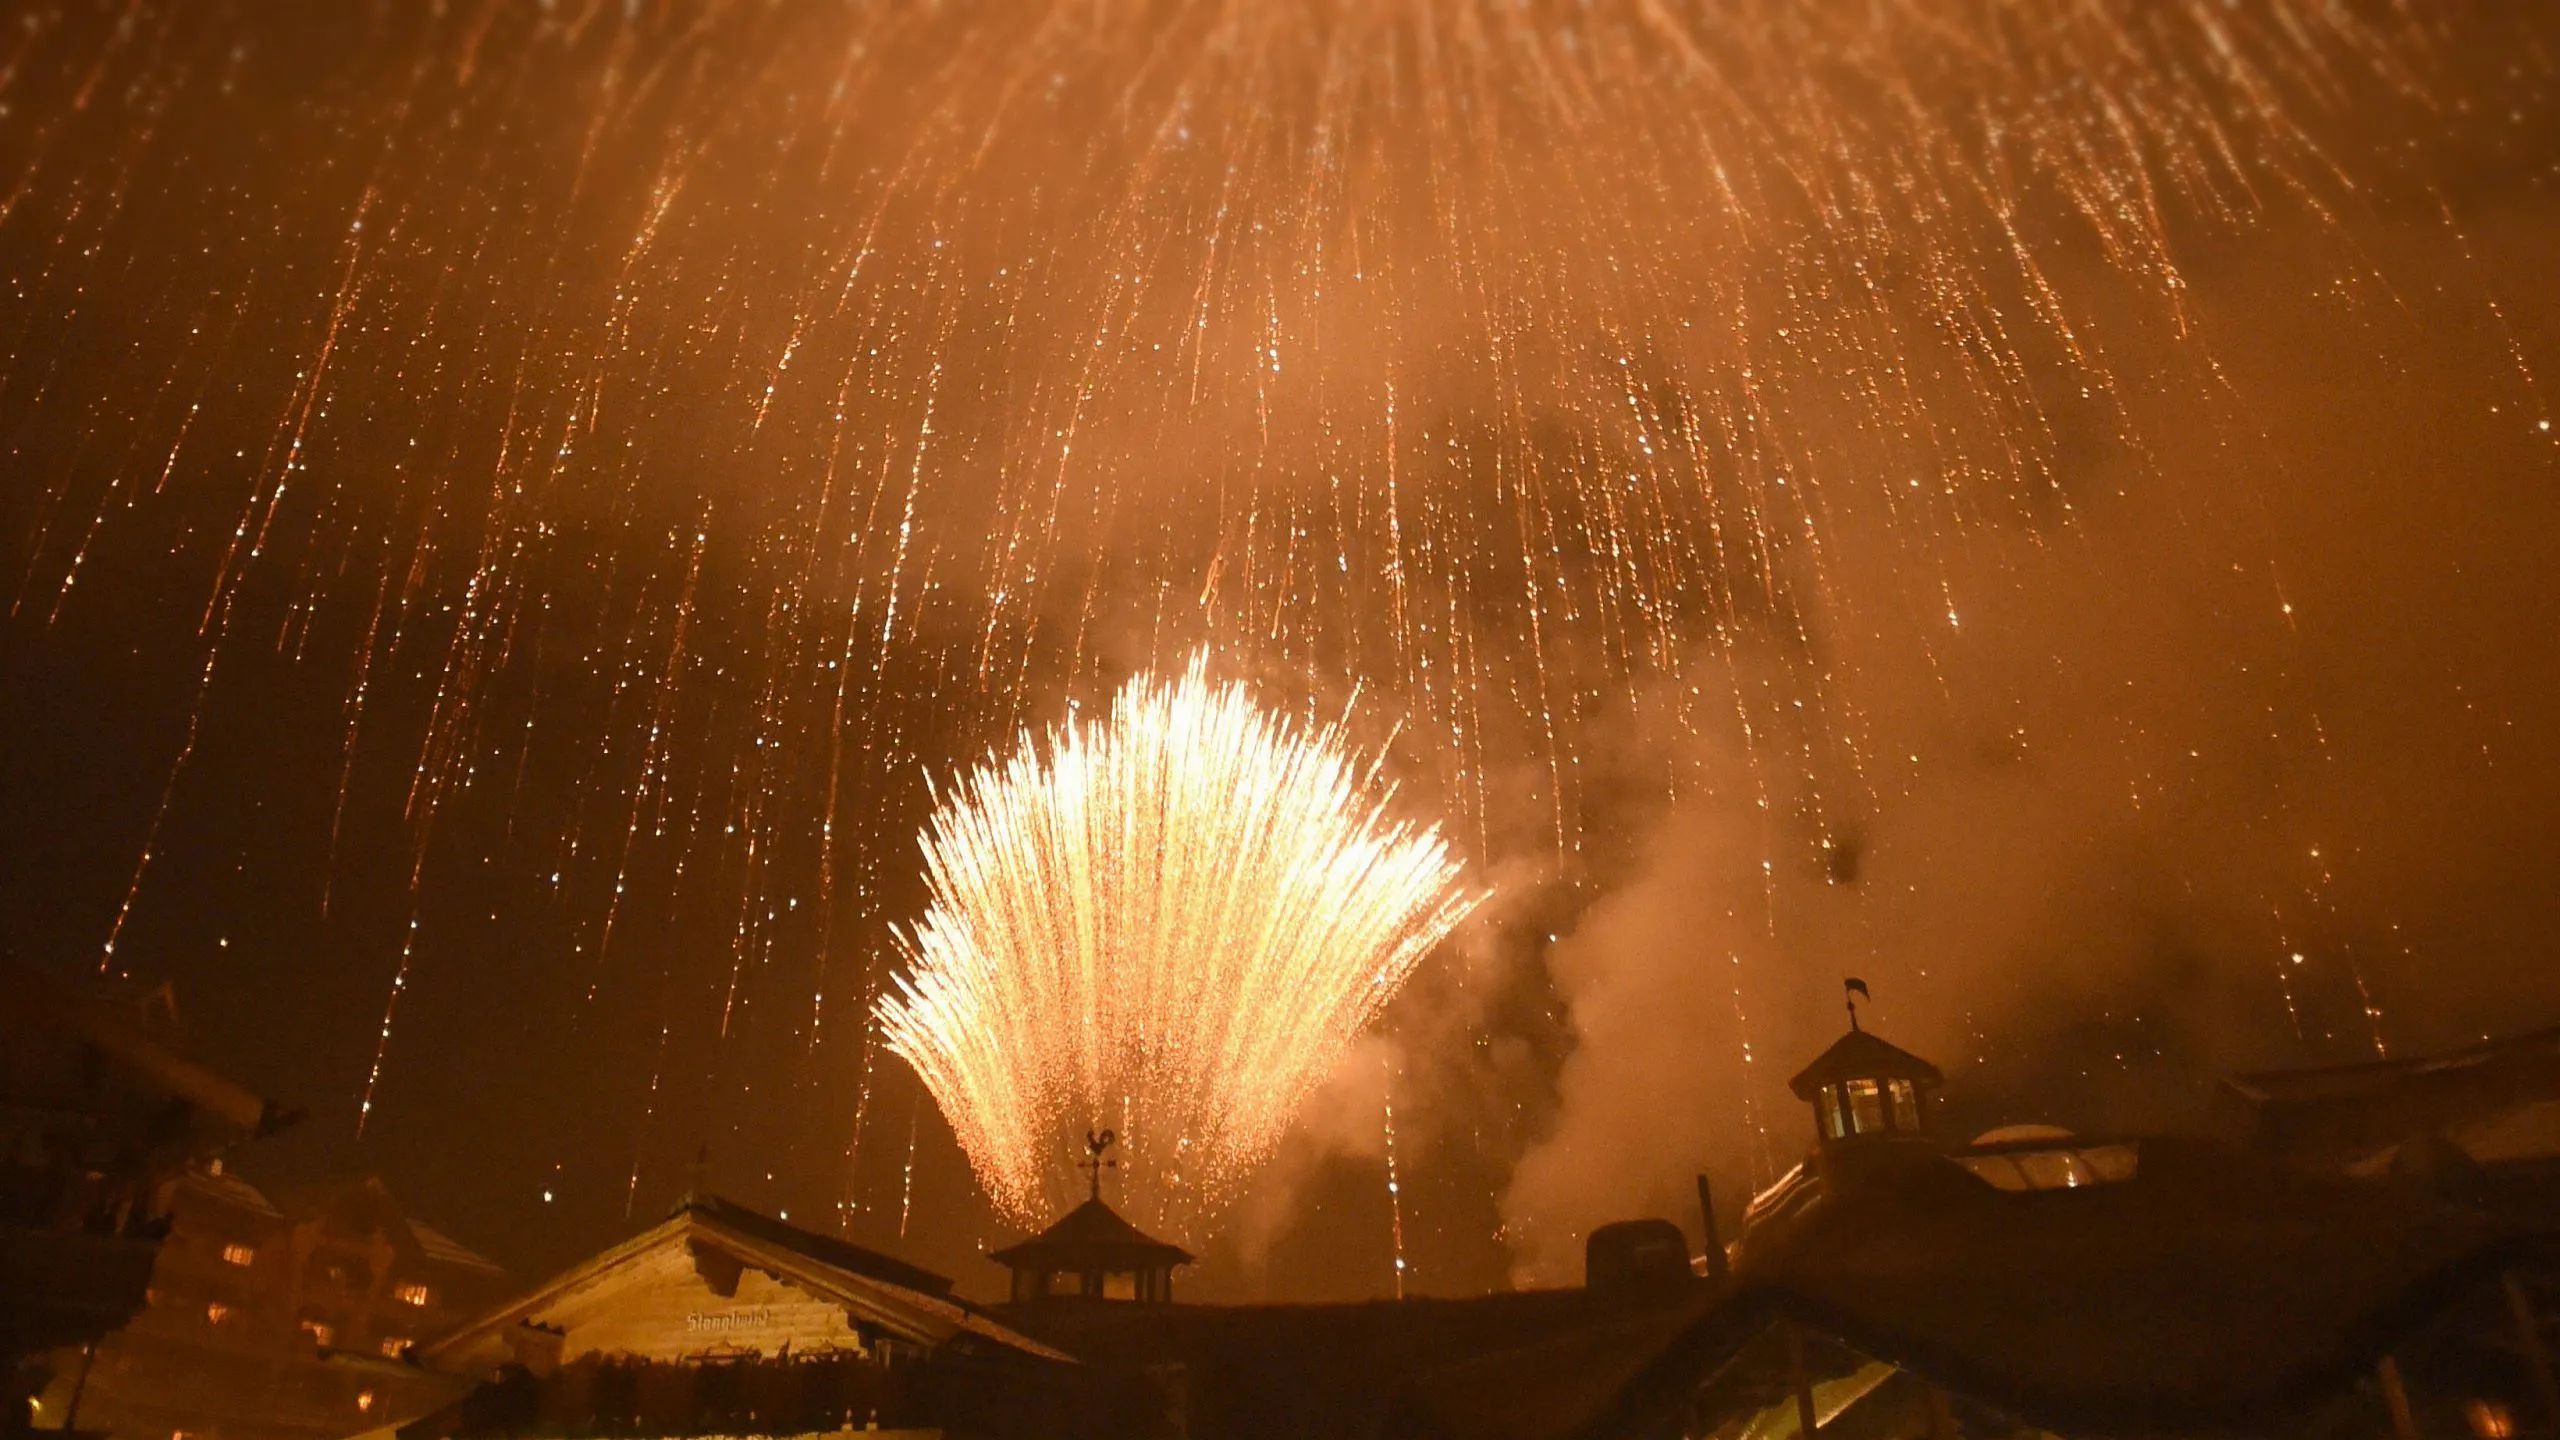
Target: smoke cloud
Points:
(2245, 766)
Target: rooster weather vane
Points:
(1096, 1142)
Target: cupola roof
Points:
(1859, 1055)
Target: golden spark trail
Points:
(1172, 920)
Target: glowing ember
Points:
(1173, 922)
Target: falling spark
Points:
(1395, 1184)
(1173, 921)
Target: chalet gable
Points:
(715, 1280)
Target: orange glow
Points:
(2490, 1420)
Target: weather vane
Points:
(1854, 990)
(1097, 1142)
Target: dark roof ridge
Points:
(827, 1249)
(2477, 1052)
(1092, 1228)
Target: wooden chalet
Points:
(724, 1321)
(100, 1115)
(279, 1313)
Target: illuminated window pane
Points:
(320, 1331)
(238, 1254)
(1906, 1105)
(1866, 1106)
(216, 1313)
(392, 1345)
(1832, 1114)
(411, 1293)
(2111, 1162)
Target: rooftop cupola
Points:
(1091, 1251)
(1865, 1091)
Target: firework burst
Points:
(1173, 921)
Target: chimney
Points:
(1717, 1268)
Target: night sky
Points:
(509, 509)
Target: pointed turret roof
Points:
(1092, 1235)
(1861, 1056)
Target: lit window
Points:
(216, 1313)
(320, 1331)
(2490, 1420)
(392, 1345)
(411, 1293)
(1833, 1117)
(364, 1400)
(1866, 1106)
(2054, 1170)
(2062, 1169)
(1906, 1104)
(238, 1254)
